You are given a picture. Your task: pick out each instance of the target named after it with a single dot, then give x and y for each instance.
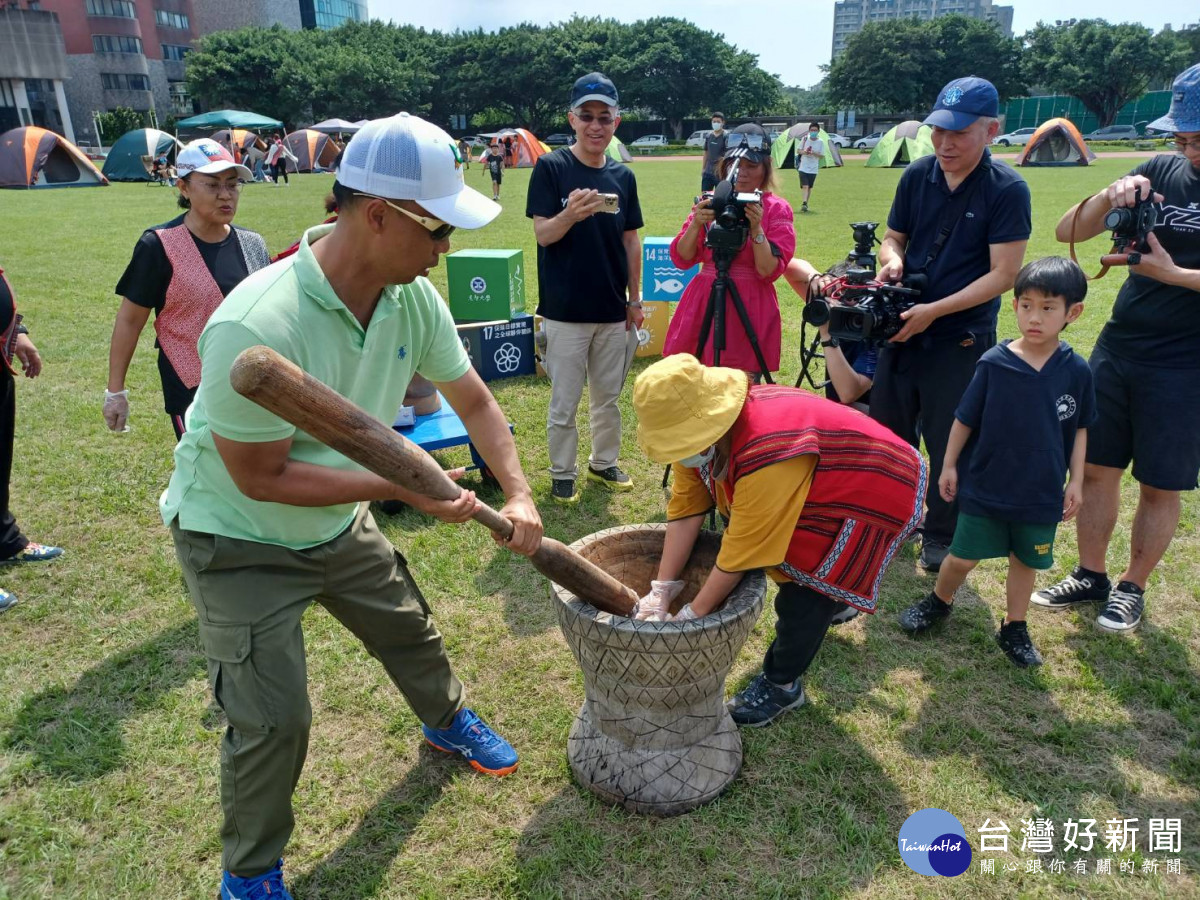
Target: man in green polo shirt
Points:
(266, 520)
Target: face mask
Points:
(814, 134)
(717, 126)
(700, 459)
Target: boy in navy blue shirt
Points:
(1021, 428)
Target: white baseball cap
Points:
(207, 157)
(406, 158)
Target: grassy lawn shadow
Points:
(77, 731)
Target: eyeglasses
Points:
(736, 139)
(588, 119)
(216, 187)
(1182, 146)
(438, 230)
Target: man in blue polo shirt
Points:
(962, 219)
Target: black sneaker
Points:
(1078, 587)
(562, 490)
(933, 554)
(1124, 609)
(926, 613)
(612, 478)
(846, 614)
(763, 701)
(1013, 639)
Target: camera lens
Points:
(816, 312)
(1118, 219)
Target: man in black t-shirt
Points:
(1146, 367)
(714, 151)
(586, 216)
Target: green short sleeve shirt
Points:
(291, 308)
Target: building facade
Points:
(33, 68)
(849, 16)
(331, 13)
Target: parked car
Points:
(869, 141)
(650, 140)
(838, 140)
(558, 140)
(696, 139)
(1018, 138)
(474, 140)
(1113, 133)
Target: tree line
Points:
(663, 67)
(900, 65)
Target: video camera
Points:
(730, 228)
(1130, 226)
(858, 307)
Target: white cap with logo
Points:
(406, 158)
(207, 157)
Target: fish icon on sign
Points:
(670, 286)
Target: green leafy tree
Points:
(901, 65)
(1104, 66)
(118, 122)
(268, 70)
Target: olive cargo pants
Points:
(250, 598)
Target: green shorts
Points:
(978, 537)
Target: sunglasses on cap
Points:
(736, 139)
(438, 230)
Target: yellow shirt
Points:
(766, 507)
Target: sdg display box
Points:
(660, 279)
(501, 348)
(657, 317)
(486, 285)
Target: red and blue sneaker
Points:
(267, 886)
(471, 737)
(33, 553)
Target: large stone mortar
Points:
(653, 734)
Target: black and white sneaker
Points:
(1078, 587)
(846, 614)
(1124, 609)
(1013, 638)
(763, 701)
(924, 614)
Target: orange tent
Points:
(32, 157)
(526, 147)
(312, 149)
(238, 140)
(1057, 142)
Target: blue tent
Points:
(125, 159)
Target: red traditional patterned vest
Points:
(8, 340)
(192, 296)
(866, 492)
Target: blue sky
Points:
(792, 38)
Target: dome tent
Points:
(783, 151)
(128, 158)
(1057, 142)
(618, 151)
(312, 150)
(32, 157)
(526, 147)
(906, 142)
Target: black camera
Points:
(730, 227)
(1130, 226)
(856, 306)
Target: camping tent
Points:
(128, 157)
(618, 151)
(527, 147)
(226, 118)
(238, 140)
(783, 151)
(311, 149)
(906, 142)
(1057, 142)
(34, 157)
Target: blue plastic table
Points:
(441, 430)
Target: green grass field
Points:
(109, 739)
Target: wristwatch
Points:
(760, 238)
(832, 342)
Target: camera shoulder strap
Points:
(1104, 267)
(951, 216)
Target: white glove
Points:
(684, 615)
(656, 605)
(116, 410)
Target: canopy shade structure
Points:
(32, 157)
(337, 126)
(783, 151)
(227, 118)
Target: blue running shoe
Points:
(33, 553)
(7, 600)
(470, 736)
(267, 886)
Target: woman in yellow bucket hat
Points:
(814, 492)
